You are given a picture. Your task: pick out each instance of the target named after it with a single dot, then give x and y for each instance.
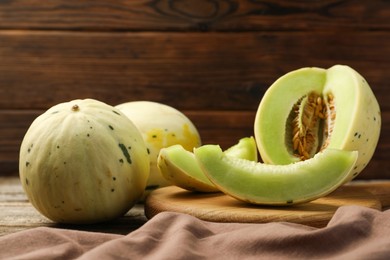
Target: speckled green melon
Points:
(83, 161)
(310, 109)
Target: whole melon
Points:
(161, 126)
(83, 161)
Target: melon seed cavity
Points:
(310, 124)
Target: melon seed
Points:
(312, 119)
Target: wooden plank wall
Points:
(212, 59)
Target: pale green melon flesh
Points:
(180, 167)
(259, 183)
(357, 124)
(275, 107)
(245, 149)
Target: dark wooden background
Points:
(212, 59)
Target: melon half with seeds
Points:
(310, 109)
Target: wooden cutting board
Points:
(218, 207)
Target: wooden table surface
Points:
(17, 214)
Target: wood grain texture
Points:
(227, 128)
(218, 207)
(379, 188)
(190, 71)
(17, 213)
(215, 127)
(201, 15)
(212, 59)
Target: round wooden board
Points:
(218, 207)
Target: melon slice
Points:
(180, 167)
(266, 184)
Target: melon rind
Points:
(358, 123)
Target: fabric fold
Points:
(354, 232)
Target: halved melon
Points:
(310, 109)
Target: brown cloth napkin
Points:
(354, 232)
